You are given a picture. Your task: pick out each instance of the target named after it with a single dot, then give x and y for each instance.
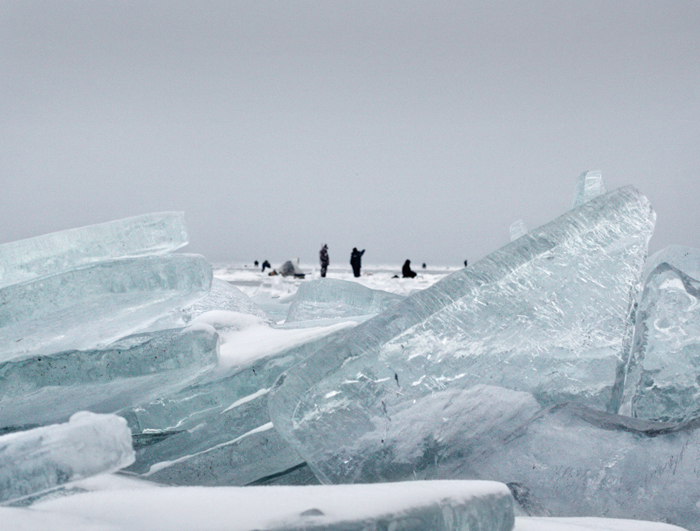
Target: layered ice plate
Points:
(155, 233)
(97, 304)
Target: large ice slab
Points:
(48, 389)
(155, 233)
(97, 304)
(44, 458)
(547, 313)
(329, 298)
(416, 505)
(663, 381)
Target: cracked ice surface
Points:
(547, 314)
(155, 233)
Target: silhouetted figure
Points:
(406, 270)
(465, 263)
(323, 257)
(424, 266)
(356, 261)
(266, 264)
(256, 263)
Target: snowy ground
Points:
(273, 293)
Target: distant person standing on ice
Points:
(406, 270)
(356, 261)
(323, 257)
(266, 264)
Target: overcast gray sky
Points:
(415, 130)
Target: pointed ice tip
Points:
(517, 229)
(589, 184)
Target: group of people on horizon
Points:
(355, 262)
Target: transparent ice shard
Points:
(97, 304)
(590, 184)
(328, 298)
(44, 458)
(155, 233)
(547, 314)
(48, 389)
(413, 505)
(663, 382)
(517, 229)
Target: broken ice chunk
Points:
(329, 298)
(46, 389)
(546, 314)
(517, 229)
(41, 459)
(217, 430)
(570, 459)
(663, 382)
(589, 185)
(155, 233)
(223, 296)
(96, 304)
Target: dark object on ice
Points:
(465, 263)
(265, 264)
(424, 266)
(256, 263)
(356, 261)
(289, 269)
(323, 257)
(406, 270)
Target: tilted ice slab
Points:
(328, 298)
(148, 234)
(547, 313)
(415, 505)
(38, 460)
(217, 430)
(663, 382)
(589, 185)
(97, 304)
(48, 389)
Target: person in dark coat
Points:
(406, 270)
(356, 261)
(323, 257)
(266, 264)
